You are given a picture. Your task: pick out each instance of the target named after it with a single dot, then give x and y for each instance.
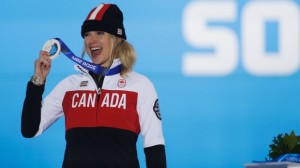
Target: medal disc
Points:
(53, 47)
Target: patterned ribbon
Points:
(85, 64)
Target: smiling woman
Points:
(98, 47)
(104, 112)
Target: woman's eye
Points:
(100, 32)
(86, 34)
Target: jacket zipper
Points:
(98, 90)
(98, 101)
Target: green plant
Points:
(284, 144)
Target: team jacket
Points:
(102, 125)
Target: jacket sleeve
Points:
(39, 114)
(155, 156)
(151, 126)
(31, 113)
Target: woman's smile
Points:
(98, 45)
(95, 51)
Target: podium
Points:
(273, 165)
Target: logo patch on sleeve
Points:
(156, 109)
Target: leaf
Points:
(291, 141)
(283, 144)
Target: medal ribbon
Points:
(86, 64)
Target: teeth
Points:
(95, 48)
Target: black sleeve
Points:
(156, 156)
(31, 113)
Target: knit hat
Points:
(107, 18)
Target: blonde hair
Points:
(124, 51)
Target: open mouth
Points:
(95, 51)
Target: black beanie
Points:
(107, 18)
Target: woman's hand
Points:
(42, 65)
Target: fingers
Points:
(42, 65)
(44, 60)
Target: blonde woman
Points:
(104, 113)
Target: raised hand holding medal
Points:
(55, 46)
(42, 66)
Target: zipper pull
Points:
(99, 91)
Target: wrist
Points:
(37, 80)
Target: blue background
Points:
(208, 121)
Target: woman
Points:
(104, 113)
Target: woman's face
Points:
(98, 46)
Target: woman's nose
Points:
(92, 39)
